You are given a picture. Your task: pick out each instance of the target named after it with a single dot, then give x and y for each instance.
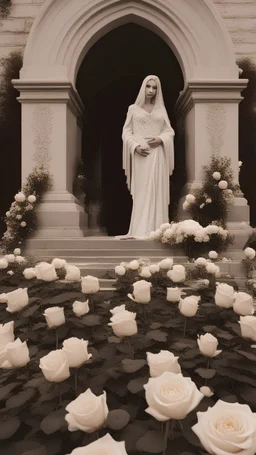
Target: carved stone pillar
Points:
(51, 136)
(209, 111)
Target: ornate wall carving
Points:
(216, 124)
(42, 127)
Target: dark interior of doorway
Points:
(108, 82)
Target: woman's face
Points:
(151, 89)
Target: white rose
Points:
(55, 366)
(223, 185)
(45, 272)
(154, 268)
(240, 163)
(189, 306)
(23, 224)
(224, 295)
(123, 323)
(166, 263)
(6, 333)
(8, 214)
(118, 309)
(248, 327)
(73, 273)
(173, 294)
(177, 274)
(206, 391)
(3, 263)
(243, 304)
(213, 269)
(216, 176)
(31, 198)
(249, 253)
(58, 263)
(212, 229)
(190, 198)
(17, 353)
(3, 298)
(133, 265)
(227, 428)
(208, 345)
(81, 308)
(120, 270)
(161, 362)
(103, 446)
(20, 197)
(208, 200)
(18, 217)
(141, 292)
(164, 226)
(76, 351)
(90, 284)
(10, 272)
(201, 261)
(17, 251)
(171, 396)
(202, 205)
(87, 412)
(213, 254)
(17, 300)
(4, 363)
(145, 272)
(185, 205)
(29, 273)
(54, 316)
(10, 258)
(20, 260)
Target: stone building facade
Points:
(52, 108)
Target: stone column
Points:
(51, 136)
(209, 113)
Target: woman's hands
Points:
(142, 151)
(154, 142)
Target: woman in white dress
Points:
(148, 159)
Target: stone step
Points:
(132, 252)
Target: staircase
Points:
(98, 256)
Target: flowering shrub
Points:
(83, 378)
(194, 238)
(21, 219)
(213, 200)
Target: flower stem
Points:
(207, 367)
(166, 436)
(57, 338)
(60, 400)
(185, 327)
(130, 349)
(75, 381)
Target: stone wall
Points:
(239, 16)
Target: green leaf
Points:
(157, 335)
(9, 427)
(206, 373)
(117, 419)
(20, 399)
(136, 385)
(53, 422)
(39, 451)
(29, 311)
(248, 355)
(130, 366)
(228, 372)
(4, 391)
(248, 394)
(36, 382)
(91, 320)
(131, 434)
(184, 344)
(155, 325)
(151, 442)
(114, 339)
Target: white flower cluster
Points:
(11, 259)
(177, 233)
(13, 353)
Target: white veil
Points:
(158, 101)
(129, 141)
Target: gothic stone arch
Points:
(62, 34)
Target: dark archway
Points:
(108, 82)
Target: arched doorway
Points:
(63, 33)
(108, 81)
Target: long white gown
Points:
(147, 177)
